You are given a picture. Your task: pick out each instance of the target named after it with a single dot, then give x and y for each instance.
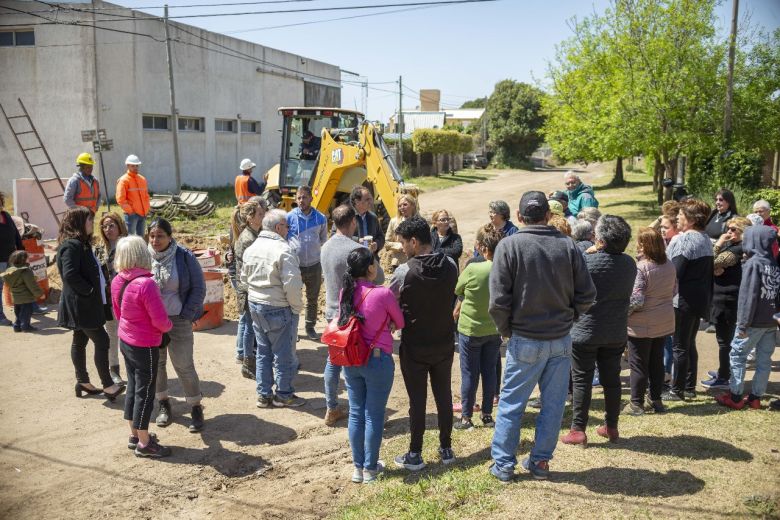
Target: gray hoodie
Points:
(760, 287)
(538, 284)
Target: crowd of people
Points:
(557, 288)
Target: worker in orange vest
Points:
(133, 195)
(83, 188)
(246, 186)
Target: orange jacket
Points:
(132, 194)
(88, 196)
(242, 188)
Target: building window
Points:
(25, 38)
(250, 127)
(191, 124)
(155, 122)
(225, 125)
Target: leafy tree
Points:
(514, 120)
(475, 103)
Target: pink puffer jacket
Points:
(142, 318)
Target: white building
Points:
(73, 77)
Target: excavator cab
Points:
(301, 141)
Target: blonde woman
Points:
(407, 208)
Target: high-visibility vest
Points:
(88, 196)
(132, 194)
(242, 188)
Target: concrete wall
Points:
(57, 82)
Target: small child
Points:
(24, 290)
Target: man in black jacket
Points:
(425, 286)
(367, 221)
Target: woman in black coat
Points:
(444, 238)
(81, 307)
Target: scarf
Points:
(163, 263)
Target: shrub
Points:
(735, 170)
(773, 197)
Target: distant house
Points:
(464, 117)
(414, 119)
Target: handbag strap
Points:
(379, 331)
(122, 292)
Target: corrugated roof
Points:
(465, 113)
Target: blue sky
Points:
(463, 50)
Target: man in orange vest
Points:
(133, 196)
(83, 189)
(246, 186)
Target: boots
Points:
(248, 367)
(115, 377)
(164, 416)
(197, 419)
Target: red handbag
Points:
(346, 346)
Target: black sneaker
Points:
(197, 419)
(774, 405)
(153, 450)
(132, 442)
(447, 456)
(288, 402)
(17, 329)
(30, 328)
(164, 416)
(689, 394)
(410, 461)
(488, 422)
(671, 395)
(264, 402)
(464, 424)
(535, 403)
(312, 334)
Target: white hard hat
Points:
(133, 159)
(247, 164)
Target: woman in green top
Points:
(478, 339)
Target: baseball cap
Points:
(533, 205)
(560, 196)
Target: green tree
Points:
(642, 76)
(514, 121)
(475, 103)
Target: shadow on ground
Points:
(681, 446)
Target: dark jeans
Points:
(477, 357)
(23, 314)
(584, 359)
(312, 279)
(78, 354)
(646, 359)
(725, 325)
(141, 366)
(415, 375)
(686, 358)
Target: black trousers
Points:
(78, 354)
(686, 357)
(416, 375)
(646, 359)
(141, 366)
(725, 326)
(584, 359)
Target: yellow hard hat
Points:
(85, 158)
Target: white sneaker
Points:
(357, 476)
(370, 476)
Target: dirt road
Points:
(62, 457)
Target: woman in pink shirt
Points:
(143, 322)
(369, 385)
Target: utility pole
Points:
(174, 116)
(400, 123)
(364, 104)
(97, 110)
(730, 79)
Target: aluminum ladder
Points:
(32, 142)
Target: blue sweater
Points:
(192, 285)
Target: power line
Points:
(96, 9)
(119, 17)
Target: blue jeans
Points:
(331, 378)
(668, 354)
(478, 355)
(136, 224)
(528, 362)
(368, 387)
(23, 315)
(3, 267)
(764, 342)
(275, 351)
(246, 336)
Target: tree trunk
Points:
(670, 165)
(658, 173)
(618, 179)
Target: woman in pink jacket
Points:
(143, 322)
(368, 386)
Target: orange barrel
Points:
(214, 303)
(37, 260)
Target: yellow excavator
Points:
(331, 150)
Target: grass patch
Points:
(445, 180)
